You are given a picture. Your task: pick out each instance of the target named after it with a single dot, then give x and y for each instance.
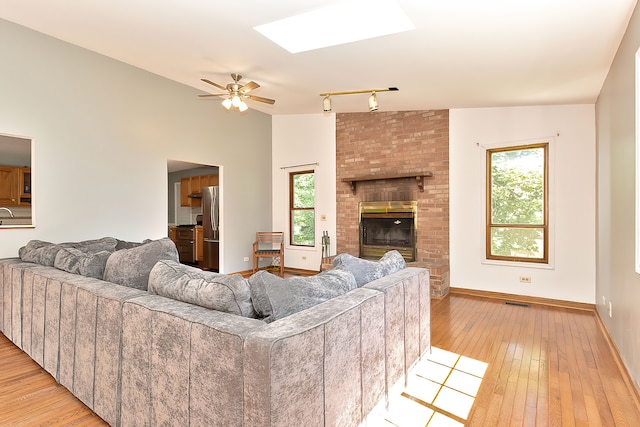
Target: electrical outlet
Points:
(610, 309)
(246, 259)
(525, 279)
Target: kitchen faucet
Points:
(8, 210)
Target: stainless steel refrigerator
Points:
(211, 228)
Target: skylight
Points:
(338, 24)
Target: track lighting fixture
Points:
(326, 104)
(373, 100)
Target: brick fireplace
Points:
(396, 157)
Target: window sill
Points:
(519, 264)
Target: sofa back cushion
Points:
(366, 271)
(131, 267)
(44, 253)
(90, 264)
(222, 292)
(274, 297)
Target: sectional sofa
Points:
(137, 358)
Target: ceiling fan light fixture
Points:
(235, 101)
(326, 104)
(242, 106)
(226, 103)
(373, 102)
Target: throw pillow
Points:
(227, 293)
(131, 267)
(366, 271)
(123, 244)
(44, 253)
(76, 261)
(39, 252)
(274, 297)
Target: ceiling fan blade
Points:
(214, 84)
(213, 94)
(261, 99)
(249, 87)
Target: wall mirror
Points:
(15, 182)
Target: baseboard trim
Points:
(628, 379)
(626, 376)
(524, 299)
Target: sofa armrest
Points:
(321, 366)
(407, 320)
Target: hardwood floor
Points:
(29, 396)
(546, 366)
(514, 366)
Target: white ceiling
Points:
(463, 53)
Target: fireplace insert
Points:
(386, 226)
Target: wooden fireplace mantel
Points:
(419, 176)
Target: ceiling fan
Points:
(235, 93)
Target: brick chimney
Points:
(396, 146)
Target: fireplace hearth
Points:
(386, 226)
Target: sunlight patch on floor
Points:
(440, 392)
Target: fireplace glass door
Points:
(382, 230)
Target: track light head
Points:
(326, 104)
(373, 102)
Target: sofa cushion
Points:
(131, 267)
(123, 244)
(227, 293)
(366, 271)
(44, 253)
(89, 264)
(274, 297)
(39, 252)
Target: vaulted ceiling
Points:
(463, 53)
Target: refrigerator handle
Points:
(214, 213)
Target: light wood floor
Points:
(545, 366)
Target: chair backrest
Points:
(273, 238)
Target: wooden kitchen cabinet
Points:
(209, 180)
(10, 186)
(173, 234)
(196, 187)
(188, 186)
(25, 185)
(194, 184)
(199, 243)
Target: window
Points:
(517, 204)
(302, 208)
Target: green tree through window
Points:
(517, 219)
(302, 208)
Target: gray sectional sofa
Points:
(141, 359)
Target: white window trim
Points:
(550, 264)
(287, 244)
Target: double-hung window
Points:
(517, 225)
(302, 208)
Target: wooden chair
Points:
(268, 244)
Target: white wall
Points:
(570, 130)
(103, 132)
(298, 140)
(617, 280)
